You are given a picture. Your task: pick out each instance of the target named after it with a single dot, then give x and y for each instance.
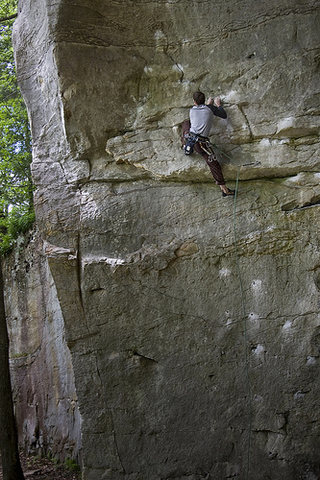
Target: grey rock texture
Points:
(46, 404)
(193, 322)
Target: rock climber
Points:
(199, 126)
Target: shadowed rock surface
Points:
(42, 373)
(193, 324)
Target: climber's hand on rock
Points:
(210, 101)
(217, 101)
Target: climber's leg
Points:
(215, 169)
(185, 130)
(213, 164)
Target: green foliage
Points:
(16, 191)
(11, 226)
(71, 465)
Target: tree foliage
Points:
(16, 205)
(15, 208)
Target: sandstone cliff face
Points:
(42, 374)
(193, 323)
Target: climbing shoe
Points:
(229, 194)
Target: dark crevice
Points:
(72, 343)
(240, 107)
(166, 51)
(98, 289)
(79, 273)
(284, 427)
(116, 443)
(290, 207)
(135, 353)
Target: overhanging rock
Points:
(175, 301)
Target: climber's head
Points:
(198, 98)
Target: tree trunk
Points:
(8, 431)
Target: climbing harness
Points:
(205, 144)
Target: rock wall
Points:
(41, 368)
(193, 321)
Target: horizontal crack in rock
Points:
(290, 207)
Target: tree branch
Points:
(10, 17)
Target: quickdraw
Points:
(207, 146)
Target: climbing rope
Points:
(244, 321)
(210, 149)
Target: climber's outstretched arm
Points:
(216, 108)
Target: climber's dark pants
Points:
(214, 165)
